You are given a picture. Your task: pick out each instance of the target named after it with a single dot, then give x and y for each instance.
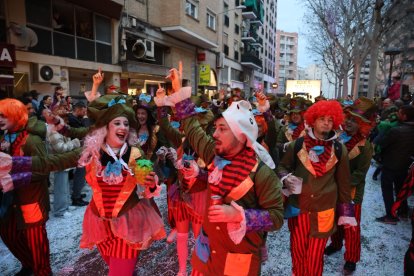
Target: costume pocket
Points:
(31, 213)
(326, 220)
(237, 264)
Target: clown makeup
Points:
(5, 123)
(226, 144)
(118, 130)
(142, 116)
(351, 125)
(322, 127)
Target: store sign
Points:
(7, 55)
(204, 75)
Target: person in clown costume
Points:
(359, 120)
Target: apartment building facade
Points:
(286, 58)
(221, 43)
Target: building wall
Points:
(286, 58)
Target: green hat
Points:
(297, 104)
(108, 107)
(283, 103)
(363, 108)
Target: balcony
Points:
(188, 35)
(251, 61)
(248, 37)
(258, 41)
(252, 9)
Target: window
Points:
(226, 20)
(191, 9)
(226, 49)
(211, 20)
(68, 30)
(236, 29)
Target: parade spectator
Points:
(69, 106)
(315, 172)
(35, 102)
(396, 149)
(77, 119)
(394, 90)
(46, 102)
(29, 106)
(57, 143)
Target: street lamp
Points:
(392, 52)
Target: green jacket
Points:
(319, 195)
(31, 204)
(264, 194)
(359, 161)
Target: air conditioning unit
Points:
(46, 73)
(143, 49)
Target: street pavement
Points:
(383, 247)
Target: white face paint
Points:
(118, 130)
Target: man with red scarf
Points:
(240, 173)
(315, 171)
(359, 120)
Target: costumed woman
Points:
(119, 220)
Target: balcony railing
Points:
(251, 61)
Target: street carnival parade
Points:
(192, 137)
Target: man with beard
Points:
(315, 171)
(360, 118)
(245, 193)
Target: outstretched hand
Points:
(261, 98)
(160, 92)
(176, 77)
(98, 77)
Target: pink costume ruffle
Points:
(139, 227)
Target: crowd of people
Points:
(235, 168)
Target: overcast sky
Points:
(289, 19)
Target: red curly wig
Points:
(15, 111)
(325, 108)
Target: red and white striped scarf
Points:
(234, 173)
